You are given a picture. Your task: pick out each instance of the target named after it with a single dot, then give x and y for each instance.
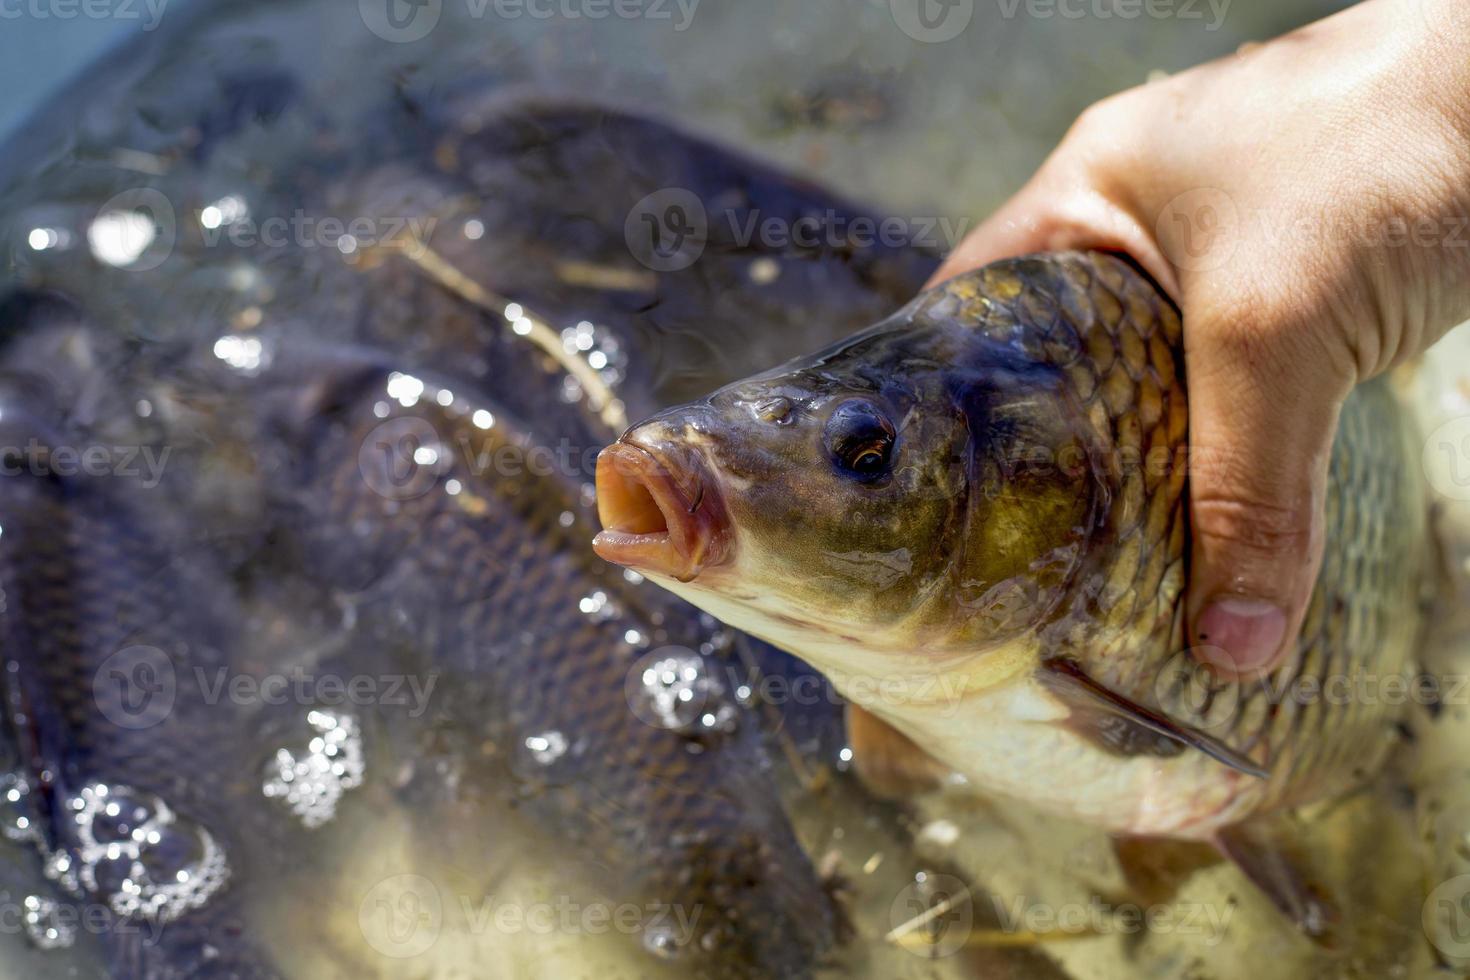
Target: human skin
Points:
(1306, 202)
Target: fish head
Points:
(922, 490)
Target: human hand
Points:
(1307, 203)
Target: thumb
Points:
(1264, 404)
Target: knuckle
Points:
(1264, 528)
(1099, 120)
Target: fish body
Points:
(972, 517)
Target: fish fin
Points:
(1125, 727)
(1264, 851)
(1155, 868)
(890, 763)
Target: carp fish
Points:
(972, 517)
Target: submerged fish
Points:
(377, 479)
(972, 518)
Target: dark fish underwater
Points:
(322, 465)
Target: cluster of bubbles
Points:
(672, 688)
(129, 851)
(546, 747)
(601, 349)
(15, 815)
(44, 924)
(312, 783)
(139, 857)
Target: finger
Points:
(1060, 209)
(1016, 228)
(1263, 413)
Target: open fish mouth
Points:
(661, 513)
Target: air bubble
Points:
(547, 747)
(44, 925)
(312, 784)
(126, 874)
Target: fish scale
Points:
(1129, 379)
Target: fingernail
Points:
(1247, 632)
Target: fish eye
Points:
(860, 439)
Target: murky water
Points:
(405, 835)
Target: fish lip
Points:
(696, 533)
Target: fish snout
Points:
(660, 506)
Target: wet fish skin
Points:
(1032, 511)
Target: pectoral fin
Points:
(1155, 868)
(890, 763)
(1264, 852)
(1125, 727)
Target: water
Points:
(449, 878)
